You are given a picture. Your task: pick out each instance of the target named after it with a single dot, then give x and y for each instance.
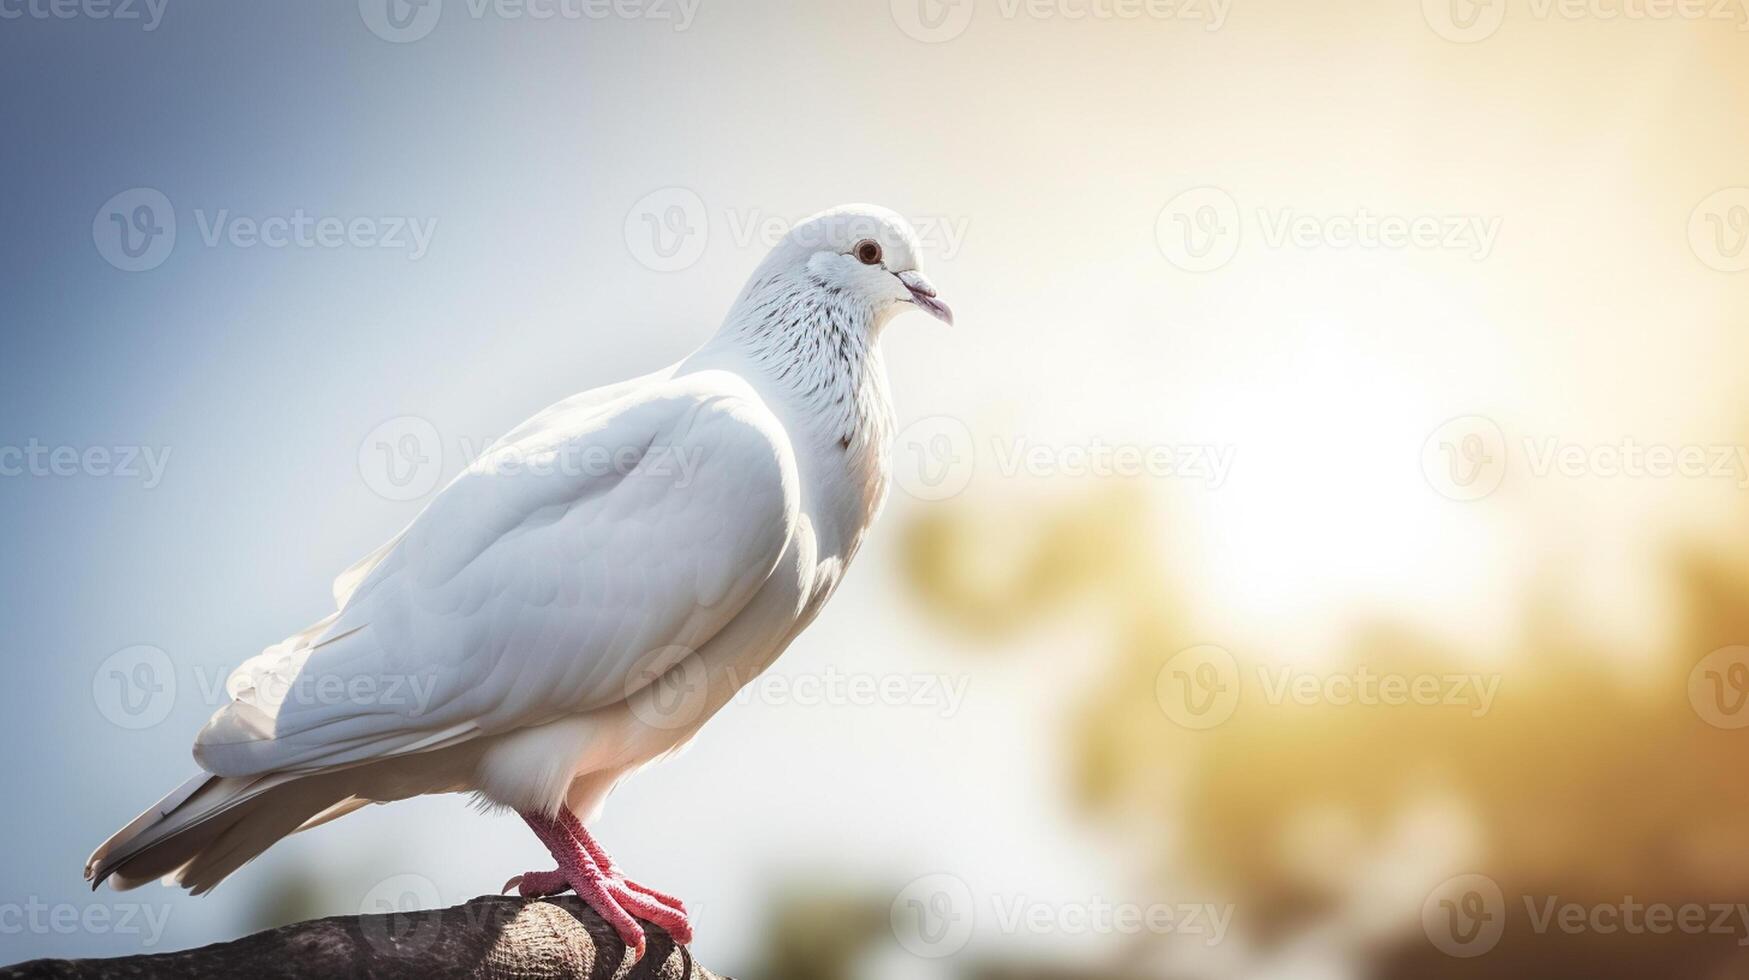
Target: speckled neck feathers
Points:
(818, 345)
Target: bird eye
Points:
(868, 252)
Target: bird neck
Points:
(818, 347)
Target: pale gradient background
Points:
(1052, 145)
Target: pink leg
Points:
(584, 867)
(582, 836)
(578, 872)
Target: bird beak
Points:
(924, 296)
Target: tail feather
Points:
(240, 842)
(210, 827)
(213, 825)
(126, 841)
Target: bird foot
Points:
(615, 899)
(586, 869)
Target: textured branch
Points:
(490, 938)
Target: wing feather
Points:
(582, 555)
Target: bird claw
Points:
(584, 868)
(538, 884)
(653, 907)
(620, 902)
(661, 898)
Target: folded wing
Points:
(598, 545)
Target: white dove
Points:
(580, 599)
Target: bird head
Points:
(865, 256)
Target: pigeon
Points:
(581, 598)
